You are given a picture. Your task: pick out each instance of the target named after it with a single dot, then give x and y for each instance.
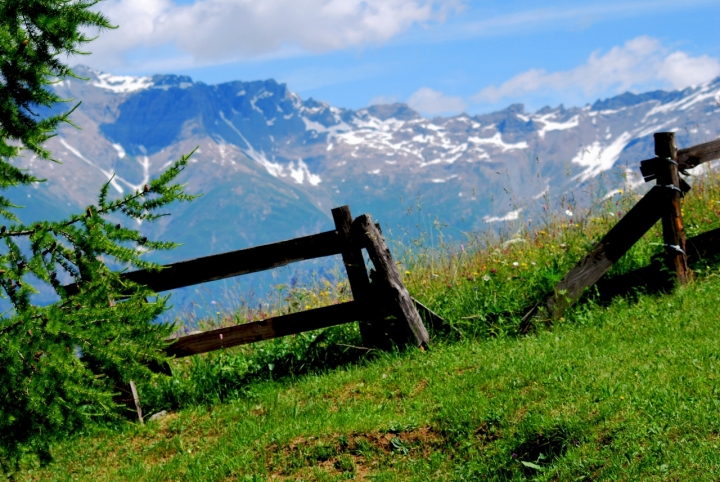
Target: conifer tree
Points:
(59, 362)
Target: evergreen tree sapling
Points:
(47, 387)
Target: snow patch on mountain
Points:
(299, 172)
(273, 168)
(597, 158)
(444, 179)
(709, 90)
(311, 125)
(122, 84)
(497, 141)
(144, 162)
(260, 95)
(549, 125)
(302, 172)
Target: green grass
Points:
(626, 391)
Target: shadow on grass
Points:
(657, 278)
(540, 450)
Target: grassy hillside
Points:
(626, 390)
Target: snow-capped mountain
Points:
(271, 165)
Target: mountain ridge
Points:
(383, 159)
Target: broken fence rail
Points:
(662, 202)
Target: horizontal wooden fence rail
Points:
(387, 297)
(234, 263)
(686, 158)
(267, 329)
(703, 245)
(698, 154)
(373, 302)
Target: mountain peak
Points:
(119, 84)
(629, 99)
(170, 81)
(398, 111)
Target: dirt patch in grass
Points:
(487, 433)
(258, 411)
(462, 371)
(358, 454)
(419, 388)
(349, 391)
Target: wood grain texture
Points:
(263, 330)
(235, 263)
(351, 254)
(686, 159)
(356, 271)
(605, 253)
(394, 293)
(672, 222)
(699, 154)
(136, 401)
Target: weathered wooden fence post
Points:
(398, 300)
(672, 222)
(356, 270)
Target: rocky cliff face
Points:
(270, 165)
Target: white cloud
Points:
(681, 70)
(212, 31)
(642, 63)
(428, 101)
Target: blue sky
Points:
(440, 56)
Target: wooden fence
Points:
(662, 202)
(373, 303)
(384, 307)
(382, 297)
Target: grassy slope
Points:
(627, 392)
(622, 392)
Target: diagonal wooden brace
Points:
(601, 258)
(391, 290)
